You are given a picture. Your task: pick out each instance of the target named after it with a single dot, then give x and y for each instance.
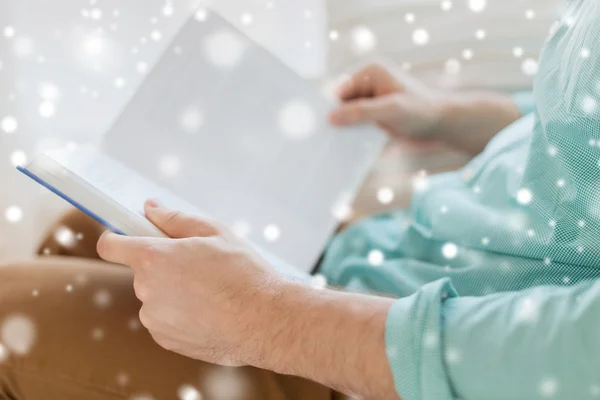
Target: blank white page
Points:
(225, 125)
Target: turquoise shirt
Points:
(496, 266)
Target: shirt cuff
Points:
(413, 337)
(524, 101)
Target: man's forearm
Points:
(471, 119)
(334, 338)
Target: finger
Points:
(361, 111)
(120, 249)
(365, 83)
(177, 224)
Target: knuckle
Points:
(172, 216)
(140, 290)
(150, 256)
(144, 317)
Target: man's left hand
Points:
(204, 292)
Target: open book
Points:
(221, 128)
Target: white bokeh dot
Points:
(96, 14)
(189, 392)
(97, 334)
(452, 66)
(120, 82)
(342, 208)
(589, 104)
(518, 52)
(480, 34)
(13, 214)
(3, 353)
(376, 257)
(102, 298)
(142, 396)
(453, 355)
(529, 13)
(142, 67)
(385, 195)
(363, 40)
(431, 339)
(18, 158)
(9, 124)
(272, 233)
(168, 9)
(49, 91)
(334, 35)
(449, 251)
(318, 281)
(420, 37)
(584, 53)
(169, 165)
(477, 6)
(9, 31)
(47, 109)
(297, 119)
(548, 387)
(156, 35)
(524, 196)
(18, 334)
(420, 182)
(527, 310)
(94, 45)
(191, 119)
(446, 5)
(246, 19)
(224, 48)
(241, 228)
(201, 14)
(64, 236)
(467, 54)
(529, 67)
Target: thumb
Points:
(354, 112)
(177, 224)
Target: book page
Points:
(227, 127)
(127, 189)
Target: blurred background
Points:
(67, 68)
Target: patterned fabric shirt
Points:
(496, 266)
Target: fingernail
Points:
(336, 117)
(153, 203)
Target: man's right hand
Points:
(395, 101)
(407, 108)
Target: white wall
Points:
(450, 32)
(84, 56)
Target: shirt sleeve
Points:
(537, 344)
(524, 101)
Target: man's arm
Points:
(334, 338)
(208, 296)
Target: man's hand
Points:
(203, 292)
(208, 296)
(407, 108)
(398, 103)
